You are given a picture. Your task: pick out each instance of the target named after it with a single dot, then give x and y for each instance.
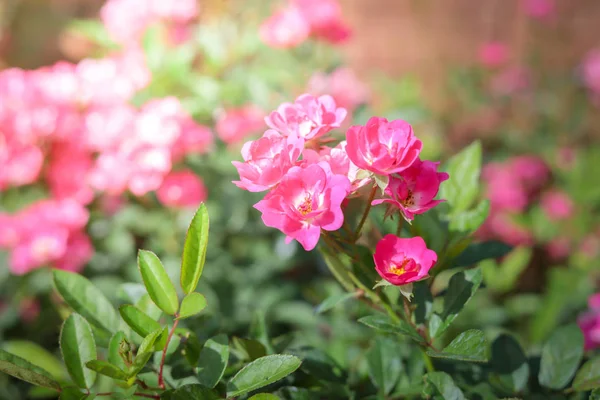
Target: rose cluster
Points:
(308, 179)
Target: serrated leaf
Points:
(191, 305)
(561, 356)
(461, 190)
(157, 282)
(117, 342)
(107, 369)
(136, 319)
(588, 377)
(77, 346)
(26, 371)
(385, 365)
(333, 301)
(213, 360)
(441, 384)
(194, 250)
(262, 372)
(384, 324)
(87, 300)
(470, 345)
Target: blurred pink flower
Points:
(343, 85)
(558, 248)
(590, 70)
(501, 225)
(181, 189)
(540, 9)
(589, 323)
(29, 309)
(79, 251)
(238, 123)
(325, 19)
(493, 54)
(67, 173)
(403, 260)
(307, 200)
(557, 205)
(510, 81)
(286, 28)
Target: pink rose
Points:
(324, 18)
(589, 323)
(307, 200)
(540, 9)
(413, 192)
(181, 189)
(286, 28)
(557, 205)
(235, 124)
(400, 261)
(383, 147)
(308, 117)
(590, 70)
(267, 160)
(493, 54)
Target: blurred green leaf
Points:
(194, 250)
(213, 360)
(137, 320)
(262, 372)
(470, 345)
(78, 347)
(333, 301)
(461, 190)
(22, 369)
(588, 376)
(72, 393)
(264, 396)
(107, 369)
(423, 301)
(502, 278)
(191, 305)
(467, 222)
(37, 355)
(157, 282)
(477, 252)
(511, 370)
(441, 386)
(561, 356)
(385, 365)
(383, 323)
(319, 364)
(190, 392)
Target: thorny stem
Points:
(161, 382)
(365, 213)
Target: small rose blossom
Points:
(286, 28)
(267, 160)
(181, 189)
(307, 200)
(308, 117)
(401, 261)
(557, 205)
(414, 190)
(493, 54)
(383, 147)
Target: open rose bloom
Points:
(401, 261)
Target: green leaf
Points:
(467, 222)
(441, 384)
(264, 396)
(423, 302)
(107, 369)
(148, 307)
(262, 372)
(72, 393)
(316, 362)
(192, 304)
(588, 377)
(511, 369)
(213, 360)
(248, 349)
(145, 351)
(157, 282)
(194, 250)
(77, 346)
(87, 300)
(338, 270)
(595, 395)
(461, 288)
(190, 392)
(141, 323)
(461, 190)
(22, 369)
(470, 345)
(385, 365)
(118, 343)
(37, 355)
(477, 252)
(125, 394)
(333, 301)
(502, 278)
(384, 324)
(561, 356)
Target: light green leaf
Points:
(382, 181)
(72, 393)
(145, 351)
(441, 384)
(77, 346)
(502, 278)
(157, 282)
(588, 377)
(37, 355)
(561, 356)
(213, 360)
(385, 365)
(107, 369)
(264, 396)
(470, 345)
(194, 250)
(333, 301)
(192, 304)
(87, 300)
(137, 320)
(467, 222)
(262, 372)
(148, 307)
(26, 371)
(118, 344)
(461, 190)
(384, 324)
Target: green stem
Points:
(161, 382)
(427, 359)
(400, 224)
(365, 213)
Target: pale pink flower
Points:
(590, 70)
(286, 28)
(44, 246)
(181, 189)
(383, 147)
(78, 254)
(305, 201)
(540, 9)
(308, 117)
(343, 85)
(234, 125)
(557, 205)
(107, 126)
(267, 160)
(493, 54)
(414, 190)
(20, 165)
(67, 173)
(324, 18)
(403, 260)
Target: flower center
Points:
(306, 206)
(399, 269)
(409, 200)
